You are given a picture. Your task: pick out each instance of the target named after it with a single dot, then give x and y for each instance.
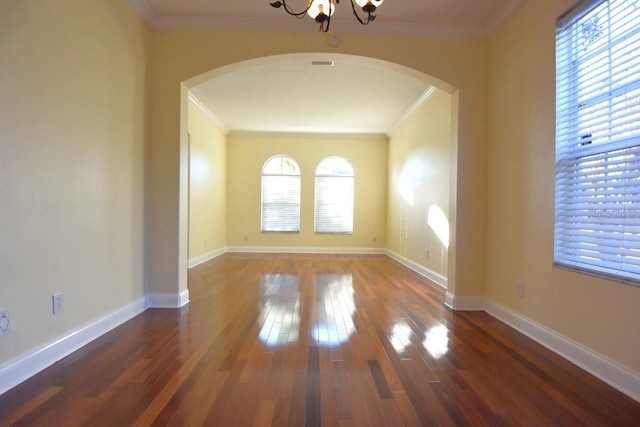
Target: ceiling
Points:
(349, 97)
(467, 18)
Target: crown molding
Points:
(144, 11)
(309, 135)
(502, 16)
(426, 95)
(212, 117)
(342, 26)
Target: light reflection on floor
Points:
(332, 319)
(400, 338)
(330, 314)
(279, 309)
(436, 340)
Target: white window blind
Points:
(334, 196)
(597, 217)
(281, 195)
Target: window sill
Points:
(599, 275)
(348, 233)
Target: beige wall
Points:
(73, 123)
(419, 169)
(178, 56)
(72, 85)
(207, 185)
(247, 154)
(599, 314)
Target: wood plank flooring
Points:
(314, 340)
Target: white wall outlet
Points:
(57, 303)
(5, 324)
(520, 289)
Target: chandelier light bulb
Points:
(320, 10)
(369, 6)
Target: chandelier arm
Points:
(331, 7)
(324, 28)
(363, 22)
(290, 11)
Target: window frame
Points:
(597, 176)
(265, 213)
(324, 179)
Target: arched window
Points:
(281, 195)
(334, 196)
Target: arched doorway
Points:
(408, 254)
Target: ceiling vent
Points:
(322, 63)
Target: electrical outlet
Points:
(57, 303)
(520, 289)
(5, 324)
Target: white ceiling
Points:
(295, 96)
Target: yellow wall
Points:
(74, 123)
(597, 313)
(72, 85)
(247, 154)
(178, 56)
(207, 185)
(419, 169)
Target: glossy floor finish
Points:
(310, 340)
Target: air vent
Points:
(322, 63)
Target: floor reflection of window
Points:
(279, 309)
(400, 338)
(332, 322)
(436, 341)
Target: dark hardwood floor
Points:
(331, 340)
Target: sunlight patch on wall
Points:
(404, 189)
(199, 167)
(439, 223)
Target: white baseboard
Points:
(437, 278)
(304, 250)
(22, 368)
(612, 373)
(464, 303)
(205, 257)
(168, 300)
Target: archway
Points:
(218, 72)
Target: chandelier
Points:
(321, 10)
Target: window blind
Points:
(334, 196)
(597, 196)
(334, 204)
(280, 195)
